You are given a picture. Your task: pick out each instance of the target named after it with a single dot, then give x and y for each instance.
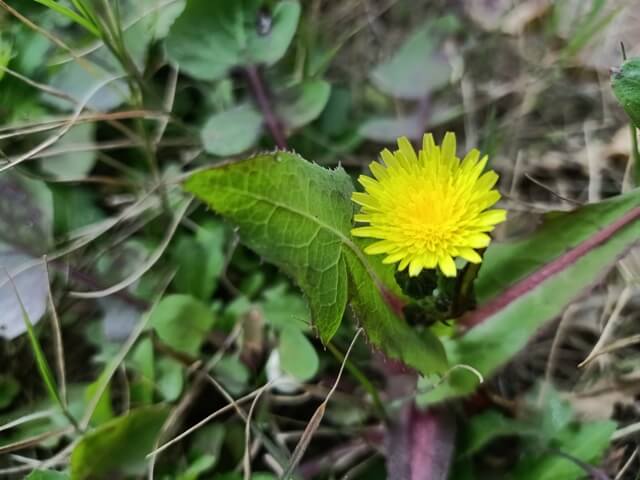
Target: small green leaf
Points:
(232, 131)
(417, 68)
(212, 36)
(297, 356)
(78, 157)
(283, 310)
(304, 104)
(170, 379)
(626, 87)
(298, 216)
(233, 374)
(119, 445)
(182, 322)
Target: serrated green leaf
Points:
(507, 330)
(298, 216)
(212, 36)
(119, 445)
(626, 87)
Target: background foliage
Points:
(142, 333)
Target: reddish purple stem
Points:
(420, 446)
(264, 103)
(564, 261)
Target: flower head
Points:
(428, 208)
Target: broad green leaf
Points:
(232, 131)
(626, 87)
(212, 36)
(119, 445)
(417, 68)
(506, 263)
(298, 216)
(182, 322)
(304, 103)
(297, 355)
(504, 330)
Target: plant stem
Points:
(264, 103)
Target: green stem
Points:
(463, 298)
(362, 379)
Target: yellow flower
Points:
(427, 209)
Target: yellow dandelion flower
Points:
(428, 208)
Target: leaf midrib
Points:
(345, 240)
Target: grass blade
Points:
(71, 15)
